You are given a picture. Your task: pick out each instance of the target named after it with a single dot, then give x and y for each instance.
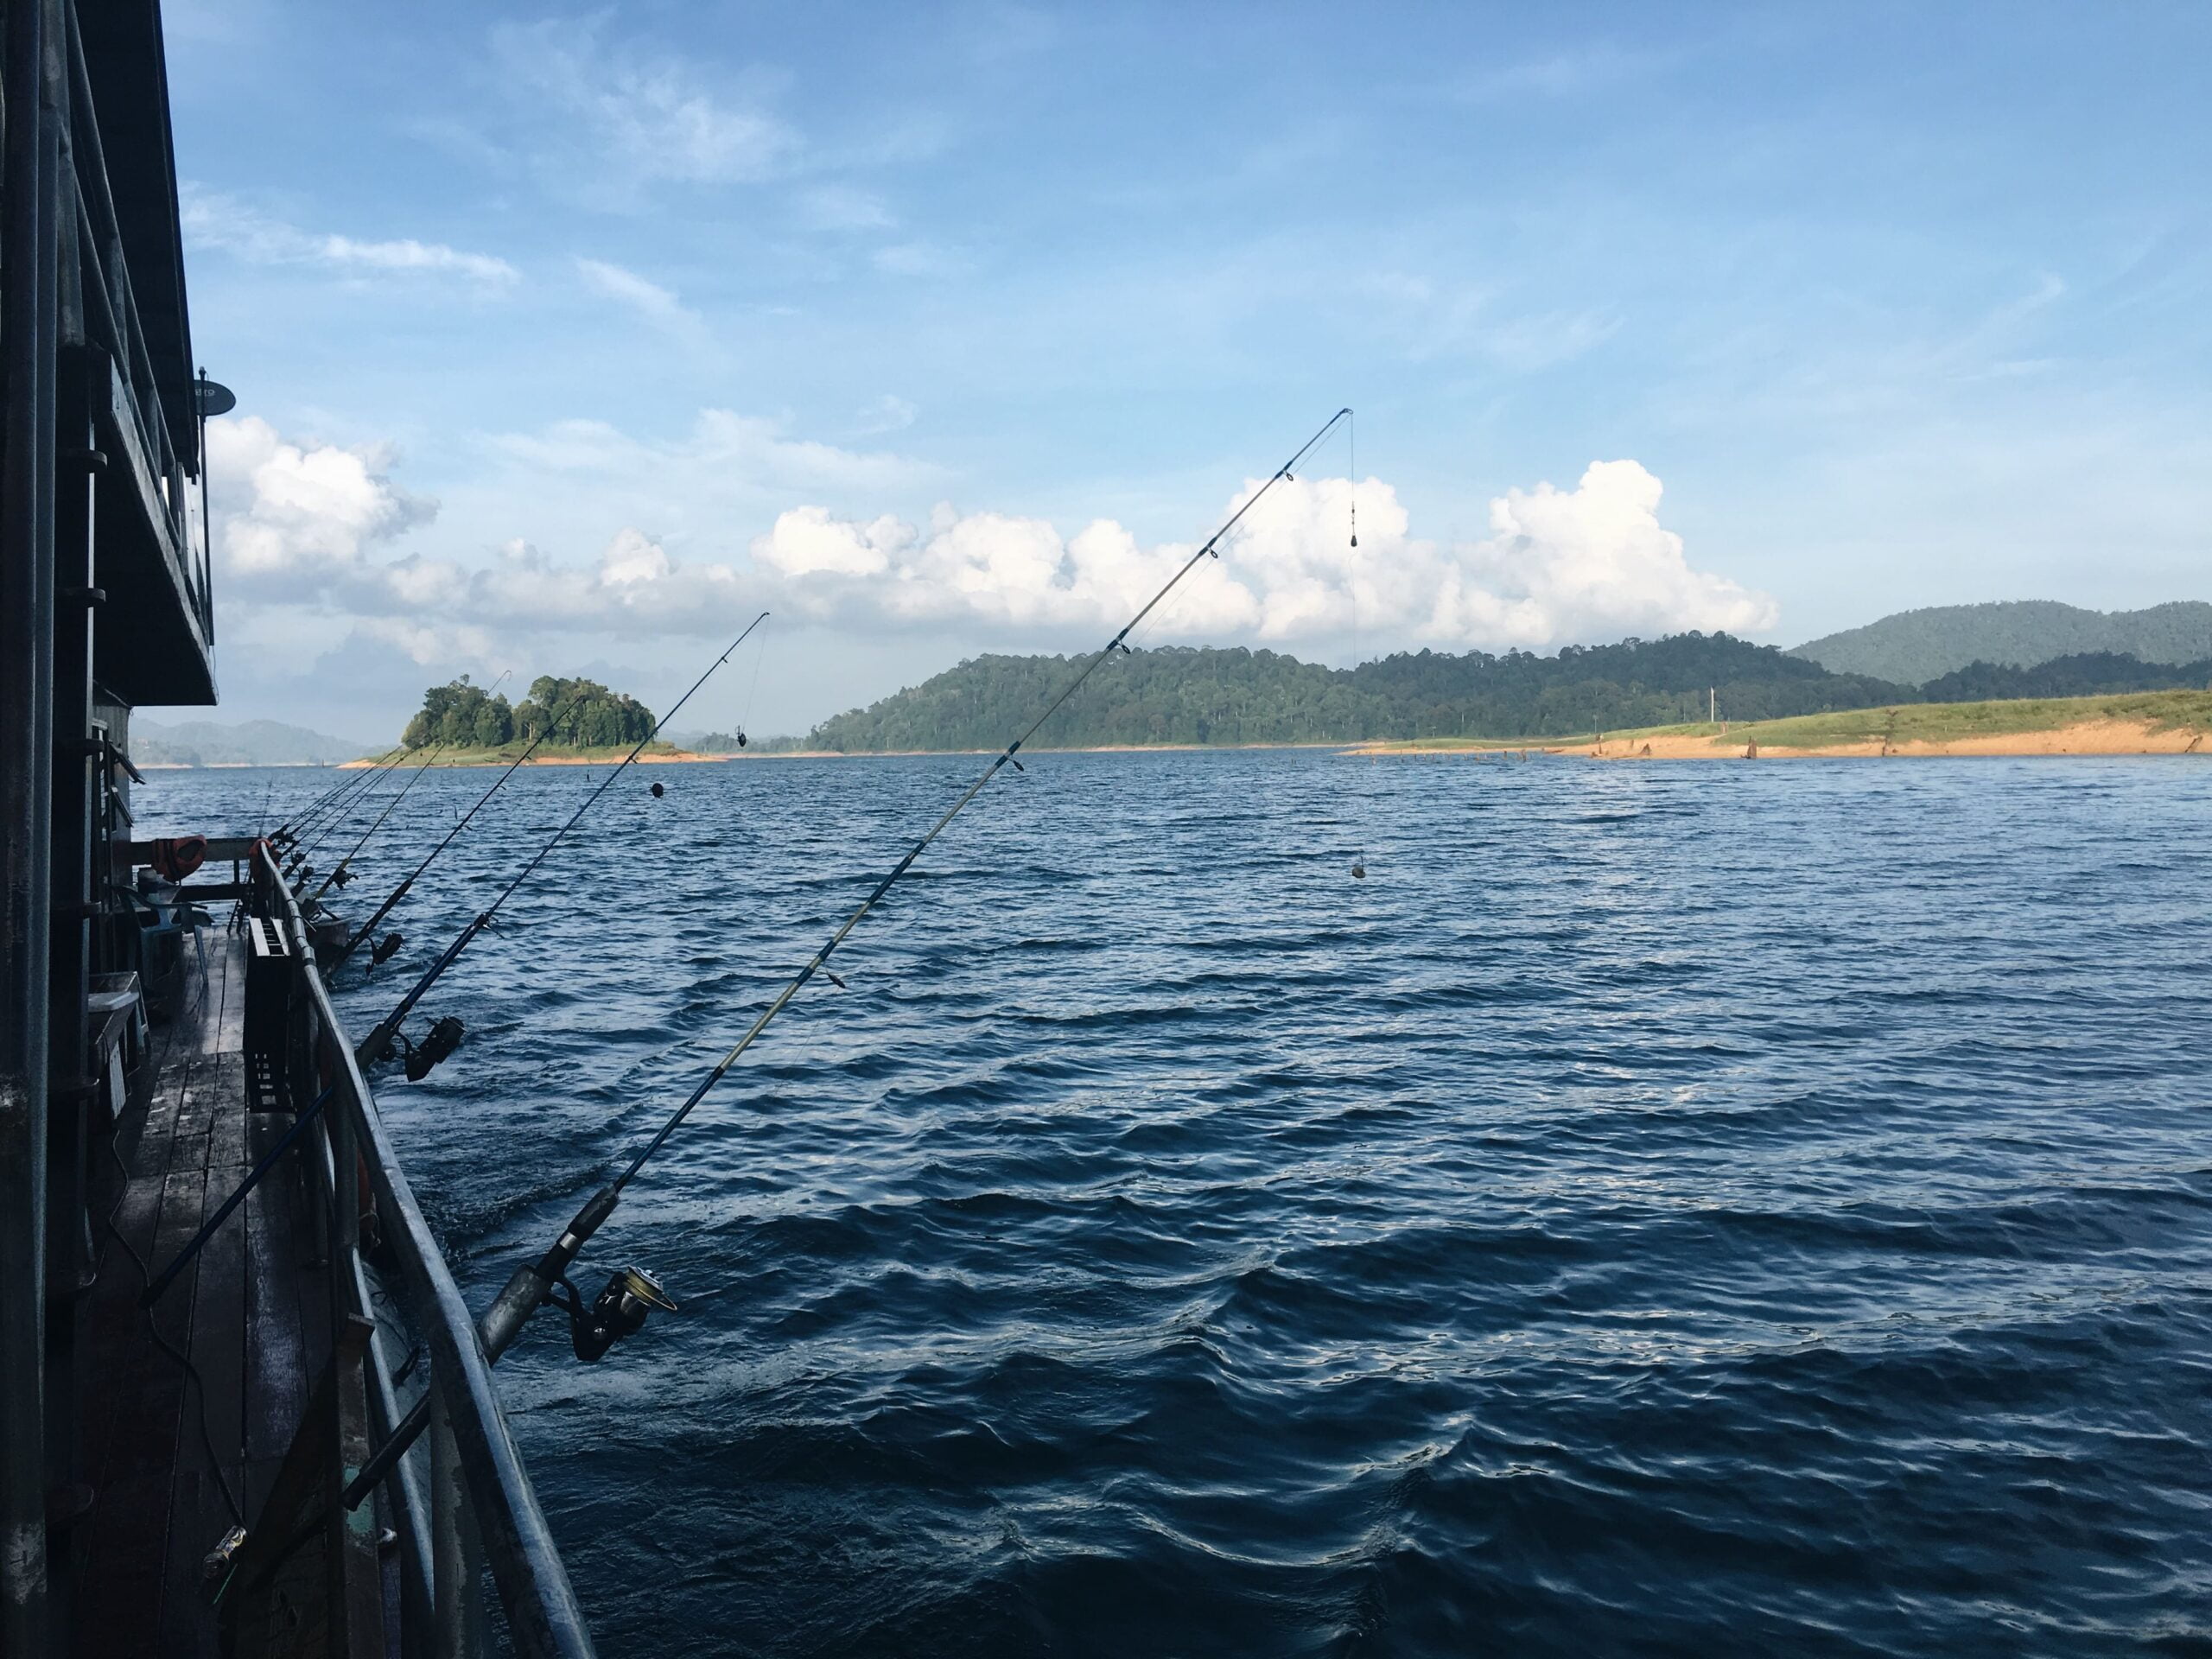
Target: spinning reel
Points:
(437, 1046)
(617, 1311)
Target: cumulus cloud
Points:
(292, 514)
(1590, 562)
(300, 523)
(213, 220)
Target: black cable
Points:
(191, 1370)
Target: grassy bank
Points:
(551, 754)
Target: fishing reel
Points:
(343, 874)
(618, 1311)
(437, 1046)
(384, 949)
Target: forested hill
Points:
(1914, 646)
(1226, 697)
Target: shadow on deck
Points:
(178, 1456)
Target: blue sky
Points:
(565, 340)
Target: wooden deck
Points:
(169, 1456)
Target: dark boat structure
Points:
(170, 1475)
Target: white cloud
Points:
(429, 644)
(1560, 566)
(657, 305)
(213, 220)
(645, 117)
(292, 513)
(298, 523)
(723, 452)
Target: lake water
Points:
(1695, 1208)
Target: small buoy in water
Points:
(1359, 871)
(658, 791)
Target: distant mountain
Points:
(249, 743)
(1915, 646)
(1227, 697)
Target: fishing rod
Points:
(445, 1035)
(341, 872)
(632, 1293)
(385, 948)
(288, 833)
(299, 868)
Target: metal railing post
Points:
(344, 1208)
(454, 1623)
(479, 1519)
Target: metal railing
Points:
(112, 324)
(476, 1506)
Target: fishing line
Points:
(745, 715)
(299, 868)
(446, 1034)
(385, 948)
(1366, 798)
(632, 1293)
(287, 832)
(341, 872)
(338, 799)
(820, 960)
(504, 674)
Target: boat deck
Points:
(168, 1452)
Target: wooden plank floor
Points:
(172, 1457)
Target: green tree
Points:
(587, 713)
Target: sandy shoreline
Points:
(2101, 733)
(2096, 737)
(2089, 737)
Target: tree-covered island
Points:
(574, 717)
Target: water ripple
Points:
(1669, 1209)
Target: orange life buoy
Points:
(177, 857)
